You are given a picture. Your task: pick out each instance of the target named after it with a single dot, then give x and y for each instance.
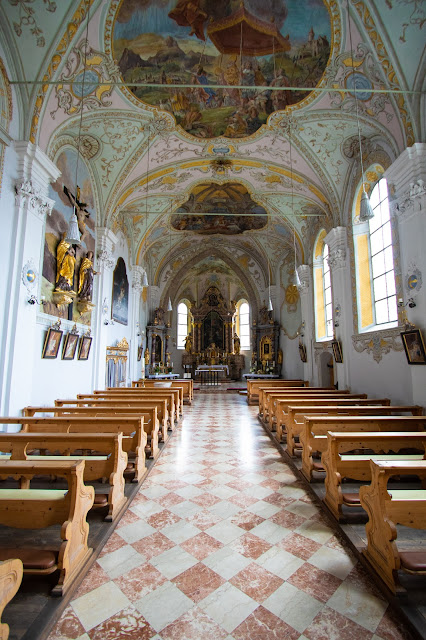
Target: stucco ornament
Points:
(26, 192)
(29, 276)
(27, 19)
(378, 343)
(411, 201)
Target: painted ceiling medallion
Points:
(258, 45)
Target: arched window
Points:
(323, 294)
(182, 324)
(376, 292)
(243, 324)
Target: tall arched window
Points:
(182, 324)
(323, 293)
(243, 324)
(376, 292)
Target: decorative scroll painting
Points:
(233, 43)
(224, 203)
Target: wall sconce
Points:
(109, 322)
(33, 300)
(410, 303)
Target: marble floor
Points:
(223, 542)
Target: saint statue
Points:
(280, 356)
(85, 280)
(147, 356)
(188, 343)
(237, 345)
(65, 263)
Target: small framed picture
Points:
(337, 351)
(84, 347)
(302, 352)
(414, 346)
(69, 347)
(51, 343)
(140, 351)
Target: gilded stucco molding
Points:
(378, 343)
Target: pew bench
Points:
(253, 387)
(148, 396)
(11, 572)
(187, 384)
(42, 508)
(339, 463)
(313, 435)
(293, 418)
(386, 508)
(265, 392)
(110, 462)
(138, 391)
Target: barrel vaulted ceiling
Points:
(260, 114)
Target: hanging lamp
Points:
(145, 276)
(296, 275)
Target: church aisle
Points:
(223, 542)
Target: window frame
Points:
(244, 346)
(180, 344)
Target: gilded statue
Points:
(188, 343)
(65, 264)
(147, 356)
(85, 280)
(237, 345)
(280, 356)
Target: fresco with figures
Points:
(64, 192)
(249, 43)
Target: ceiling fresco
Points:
(231, 43)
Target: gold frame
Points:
(83, 342)
(415, 342)
(51, 336)
(337, 351)
(66, 342)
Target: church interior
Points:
(213, 245)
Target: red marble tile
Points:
(299, 546)
(153, 545)
(239, 485)
(208, 472)
(113, 543)
(94, 579)
(127, 624)
(256, 582)
(139, 499)
(359, 578)
(264, 625)
(163, 519)
(198, 582)
(250, 546)
(331, 625)
(278, 500)
(391, 628)
(247, 520)
(318, 583)
(205, 500)
(170, 499)
(270, 483)
(204, 520)
(287, 519)
(194, 625)
(242, 500)
(174, 485)
(69, 627)
(140, 581)
(201, 545)
(128, 518)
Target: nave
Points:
(224, 542)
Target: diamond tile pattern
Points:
(223, 541)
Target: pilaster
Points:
(304, 286)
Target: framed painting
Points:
(120, 293)
(337, 351)
(70, 346)
(414, 346)
(84, 347)
(140, 351)
(51, 343)
(302, 353)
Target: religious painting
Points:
(227, 209)
(213, 331)
(62, 259)
(337, 351)
(414, 346)
(233, 59)
(120, 293)
(140, 352)
(84, 347)
(302, 352)
(51, 343)
(70, 346)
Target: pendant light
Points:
(145, 276)
(365, 210)
(169, 304)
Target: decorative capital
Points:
(105, 259)
(106, 241)
(137, 275)
(337, 242)
(304, 273)
(27, 194)
(412, 201)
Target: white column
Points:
(105, 242)
(19, 342)
(135, 367)
(342, 299)
(304, 272)
(408, 206)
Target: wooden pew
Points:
(186, 383)
(149, 391)
(254, 385)
(293, 419)
(264, 393)
(11, 572)
(41, 508)
(271, 398)
(313, 436)
(168, 395)
(357, 465)
(149, 412)
(111, 465)
(386, 508)
(129, 425)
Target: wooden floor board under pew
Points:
(293, 419)
(111, 464)
(11, 572)
(149, 413)
(264, 392)
(147, 396)
(149, 391)
(340, 464)
(254, 385)
(132, 426)
(386, 508)
(313, 435)
(39, 509)
(186, 383)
